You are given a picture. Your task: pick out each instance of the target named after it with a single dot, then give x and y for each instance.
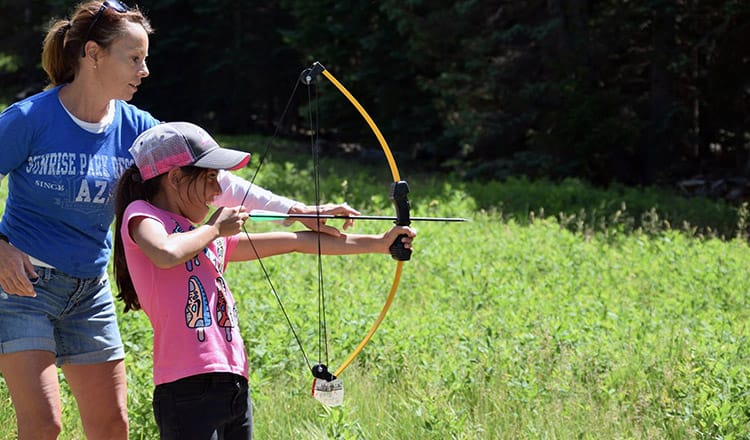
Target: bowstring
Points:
(314, 124)
(267, 276)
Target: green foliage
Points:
(584, 209)
(385, 80)
(593, 134)
(8, 63)
(518, 324)
(219, 65)
(611, 91)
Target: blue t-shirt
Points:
(62, 181)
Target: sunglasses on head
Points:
(114, 4)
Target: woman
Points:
(63, 151)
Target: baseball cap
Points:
(176, 144)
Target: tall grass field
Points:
(559, 311)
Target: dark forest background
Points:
(648, 92)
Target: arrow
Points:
(260, 215)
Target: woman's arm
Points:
(236, 191)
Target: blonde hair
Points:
(61, 50)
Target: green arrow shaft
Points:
(278, 216)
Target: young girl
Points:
(173, 270)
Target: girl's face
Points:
(123, 65)
(197, 194)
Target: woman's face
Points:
(122, 66)
(197, 195)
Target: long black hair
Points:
(131, 187)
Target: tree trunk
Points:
(655, 147)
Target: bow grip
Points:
(399, 195)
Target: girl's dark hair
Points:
(129, 189)
(132, 187)
(61, 51)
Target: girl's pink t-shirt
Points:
(191, 309)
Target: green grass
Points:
(559, 312)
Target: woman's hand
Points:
(327, 209)
(15, 269)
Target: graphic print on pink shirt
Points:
(225, 317)
(197, 315)
(193, 261)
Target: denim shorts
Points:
(72, 317)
